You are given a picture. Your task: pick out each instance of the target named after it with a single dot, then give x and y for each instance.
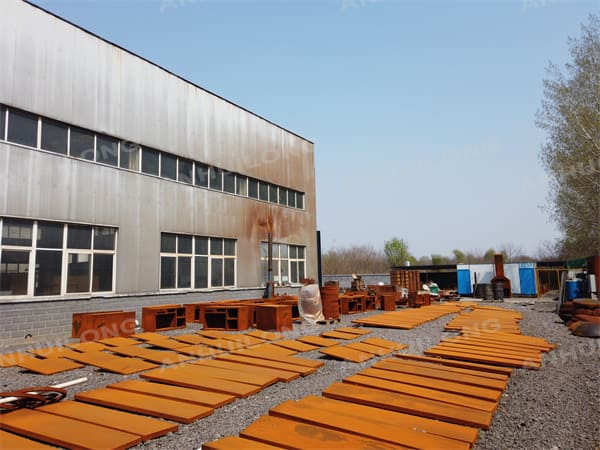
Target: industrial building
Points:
(124, 181)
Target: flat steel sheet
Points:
(237, 443)
(384, 343)
(261, 362)
(119, 341)
(155, 356)
(112, 363)
(145, 427)
(48, 366)
(296, 346)
(282, 375)
(265, 335)
(368, 348)
(66, 432)
(346, 354)
(318, 341)
(10, 441)
(87, 346)
(196, 396)
(339, 335)
(145, 404)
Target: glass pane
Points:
(50, 235)
(294, 270)
(54, 136)
(292, 198)
(103, 273)
(263, 191)
(150, 161)
(241, 185)
(216, 178)
(301, 275)
(229, 247)
(79, 236)
(301, 252)
(201, 275)
(229, 182)
(263, 270)
(299, 200)
(48, 267)
(185, 171)
(107, 150)
(284, 272)
(167, 272)
(168, 243)
(22, 128)
(17, 232)
(201, 175)
(216, 246)
(78, 278)
(130, 156)
(275, 250)
(216, 272)
(201, 245)
(252, 188)
(283, 251)
(229, 272)
(293, 251)
(264, 249)
(283, 196)
(104, 238)
(82, 144)
(184, 272)
(272, 193)
(168, 166)
(2, 121)
(14, 267)
(184, 244)
(276, 271)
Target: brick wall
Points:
(44, 322)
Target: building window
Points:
(229, 182)
(82, 144)
(107, 150)
(216, 178)
(241, 185)
(34, 131)
(150, 161)
(2, 122)
(168, 166)
(288, 263)
(252, 188)
(185, 171)
(86, 252)
(129, 154)
(54, 136)
(201, 176)
(22, 128)
(196, 262)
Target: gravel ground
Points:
(557, 407)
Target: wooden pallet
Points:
(149, 405)
(144, 427)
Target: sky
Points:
(422, 112)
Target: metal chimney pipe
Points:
(499, 265)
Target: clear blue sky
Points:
(422, 112)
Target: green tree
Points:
(396, 251)
(570, 114)
(459, 257)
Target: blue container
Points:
(574, 289)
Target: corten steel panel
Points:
(57, 70)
